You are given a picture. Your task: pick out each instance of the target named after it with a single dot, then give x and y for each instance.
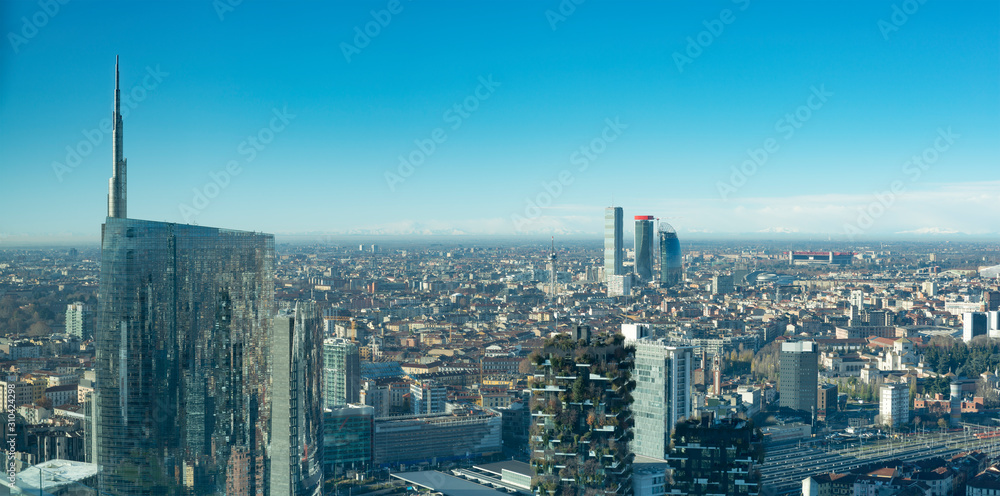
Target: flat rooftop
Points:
(54, 474)
(447, 484)
(511, 465)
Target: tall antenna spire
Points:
(117, 184)
(552, 269)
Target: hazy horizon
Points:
(853, 121)
(804, 240)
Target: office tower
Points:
(670, 257)
(869, 318)
(853, 316)
(633, 332)
(182, 365)
(89, 430)
(341, 372)
(117, 185)
(182, 403)
(552, 269)
(722, 284)
(715, 457)
(798, 381)
(991, 301)
(376, 397)
(620, 285)
(78, 320)
(613, 243)
(516, 425)
(881, 318)
(717, 375)
(993, 324)
(930, 288)
(826, 400)
(348, 433)
(894, 404)
(740, 272)
(974, 324)
(428, 397)
(857, 299)
(662, 394)
(582, 419)
(296, 396)
(644, 248)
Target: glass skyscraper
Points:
(662, 394)
(347, 438)
(670, 257)
(183, 369)
(341, 372)
(644, 248)
(200, 390)
(613, 249)
(297, 420)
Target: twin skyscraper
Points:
(645, 251)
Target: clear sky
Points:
(650, 105)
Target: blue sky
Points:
(663, 120)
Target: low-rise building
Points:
(436, 438)
(61, 395)
(347, 438)
(985, 484)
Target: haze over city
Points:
(741, 118)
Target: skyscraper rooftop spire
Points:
(117, 184)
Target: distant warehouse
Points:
(820, 257)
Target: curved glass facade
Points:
(183, 362)
(670, 257)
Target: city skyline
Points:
(318, 131)
(200, 382)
